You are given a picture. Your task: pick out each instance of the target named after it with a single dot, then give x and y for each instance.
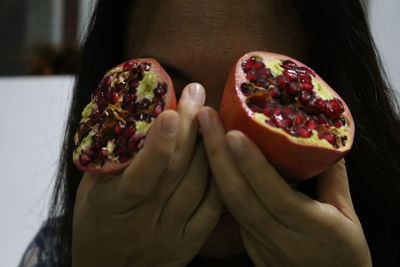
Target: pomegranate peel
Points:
(122, 109)
(300, 123)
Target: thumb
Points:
(333, 188)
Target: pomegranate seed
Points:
(304, 97)
(322, 119)
(287, 110)
(282, 80)
(293, 89)
(248, 64)
(291, 74)
(129, 98)
(288, 121)
(129, 130)
(301, 71)
(114, 97)
(320, 105)
(288, 64)
(305, 78)
(311, 103)
(120, 86)
(160, 90)
(84, 160)
(298, 118)
(312, 125)
(278, 122)
(254, 108)
(143, 67)
(251, 75)
(118, 128)
(107, 81)
(144, 104)
(337, 123)
(343, 121)
(265, 73)
(307, 86)
(303, 132)
(133, 83)
(128, 65)
(158, 109)
(259, 65)
(328, 137)
(336, 108)
(274, 92)
(133, 141)
(310, 71)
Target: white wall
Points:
(32, 114)
(385, 26)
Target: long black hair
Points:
(343, 52)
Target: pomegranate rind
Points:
(294, 160)
(110, 168)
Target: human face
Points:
(203, 39)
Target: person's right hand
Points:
(161, 209)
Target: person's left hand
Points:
(279, 225)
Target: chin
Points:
(225, 240)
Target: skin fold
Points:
(195, 189)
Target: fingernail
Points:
(170, 124)
(235, 144)
(196, 93)
(204, 120)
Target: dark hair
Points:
(343, 53)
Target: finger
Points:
(235, 192)
(143, 173)
(333, 188)
(284, 203)
(191, 101)
(206, 216)
(189, 192)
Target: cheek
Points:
(224, 241)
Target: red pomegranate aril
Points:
(278, 122)
(129, 98)
(129, 130)
(320, 105)
(293, 89)
(259, 65)
(288, 110)
(251, 75)
(84, 159)
(288, 64)
(307, 86)
(128, 65)
(160, 90)
(304, 97)
(133, 141)
(298, 119)
(337, 123)
(133, 83)
(158, 109)
(312, 125)
(334, 109)
(118, 128)
(303, 132)
(248, 65)
(144, 104)
(114, 97)
(329, 137)
(274, 92)
(107, 81)
(282, 80)
(301, 71)
(291, 75)
(120, 86)
(288, 121)
(305, 78)
(265, 73)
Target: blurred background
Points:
(40, 41)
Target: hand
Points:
(160, 210)
(279, 225)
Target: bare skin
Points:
(164, 209)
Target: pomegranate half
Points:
(298, 121)
(122, 108)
